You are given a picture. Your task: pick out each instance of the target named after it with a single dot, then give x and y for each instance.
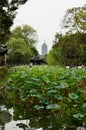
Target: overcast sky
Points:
(45, 17)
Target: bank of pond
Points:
(47, 97)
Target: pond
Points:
(14, 120)
(15, 115)
(20, 116)
(8, 123)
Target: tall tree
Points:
(8, 10)
(75, 20)
(68, 50)
(27, 32)
(22, 45)
(54, 56)
(19, 52)
(73, 44)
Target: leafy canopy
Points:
(8, 12)
(69, 49)
(75, 20)
(22, 45)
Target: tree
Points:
(58, 37)
(19, 52)
(73, 49)
(8, 10)
(75, 20)
(73, 44)
(69, 50)
(22, 45)
(54, 56)
(27, 33)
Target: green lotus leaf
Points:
(38, 107)
(45, 79)
(78, 115)
(84, 105)
(73, 96)
(53, 106)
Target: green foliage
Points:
(7, 14)
(27, 33)
(68, 50)
(3, 72)
(54, 56)
(8, 10)
(75, 20)
(61, 90)
(21, 45)
(73, 46)
(19, 52)
(5, 24)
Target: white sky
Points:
(45, 17)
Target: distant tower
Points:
(44, 49)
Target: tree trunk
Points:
(2, 60)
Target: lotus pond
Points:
(43, 98)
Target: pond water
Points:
(20, 115)
(8, 123)
(11, 119)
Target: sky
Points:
(45, 17)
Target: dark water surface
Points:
(8, 123)
(13, 119)
(20, 115)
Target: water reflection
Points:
(8, 123)
(22, 117)
(5, 117)
(19, 115)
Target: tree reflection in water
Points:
(38, 118)
(5, 117)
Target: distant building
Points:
(44, 49)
